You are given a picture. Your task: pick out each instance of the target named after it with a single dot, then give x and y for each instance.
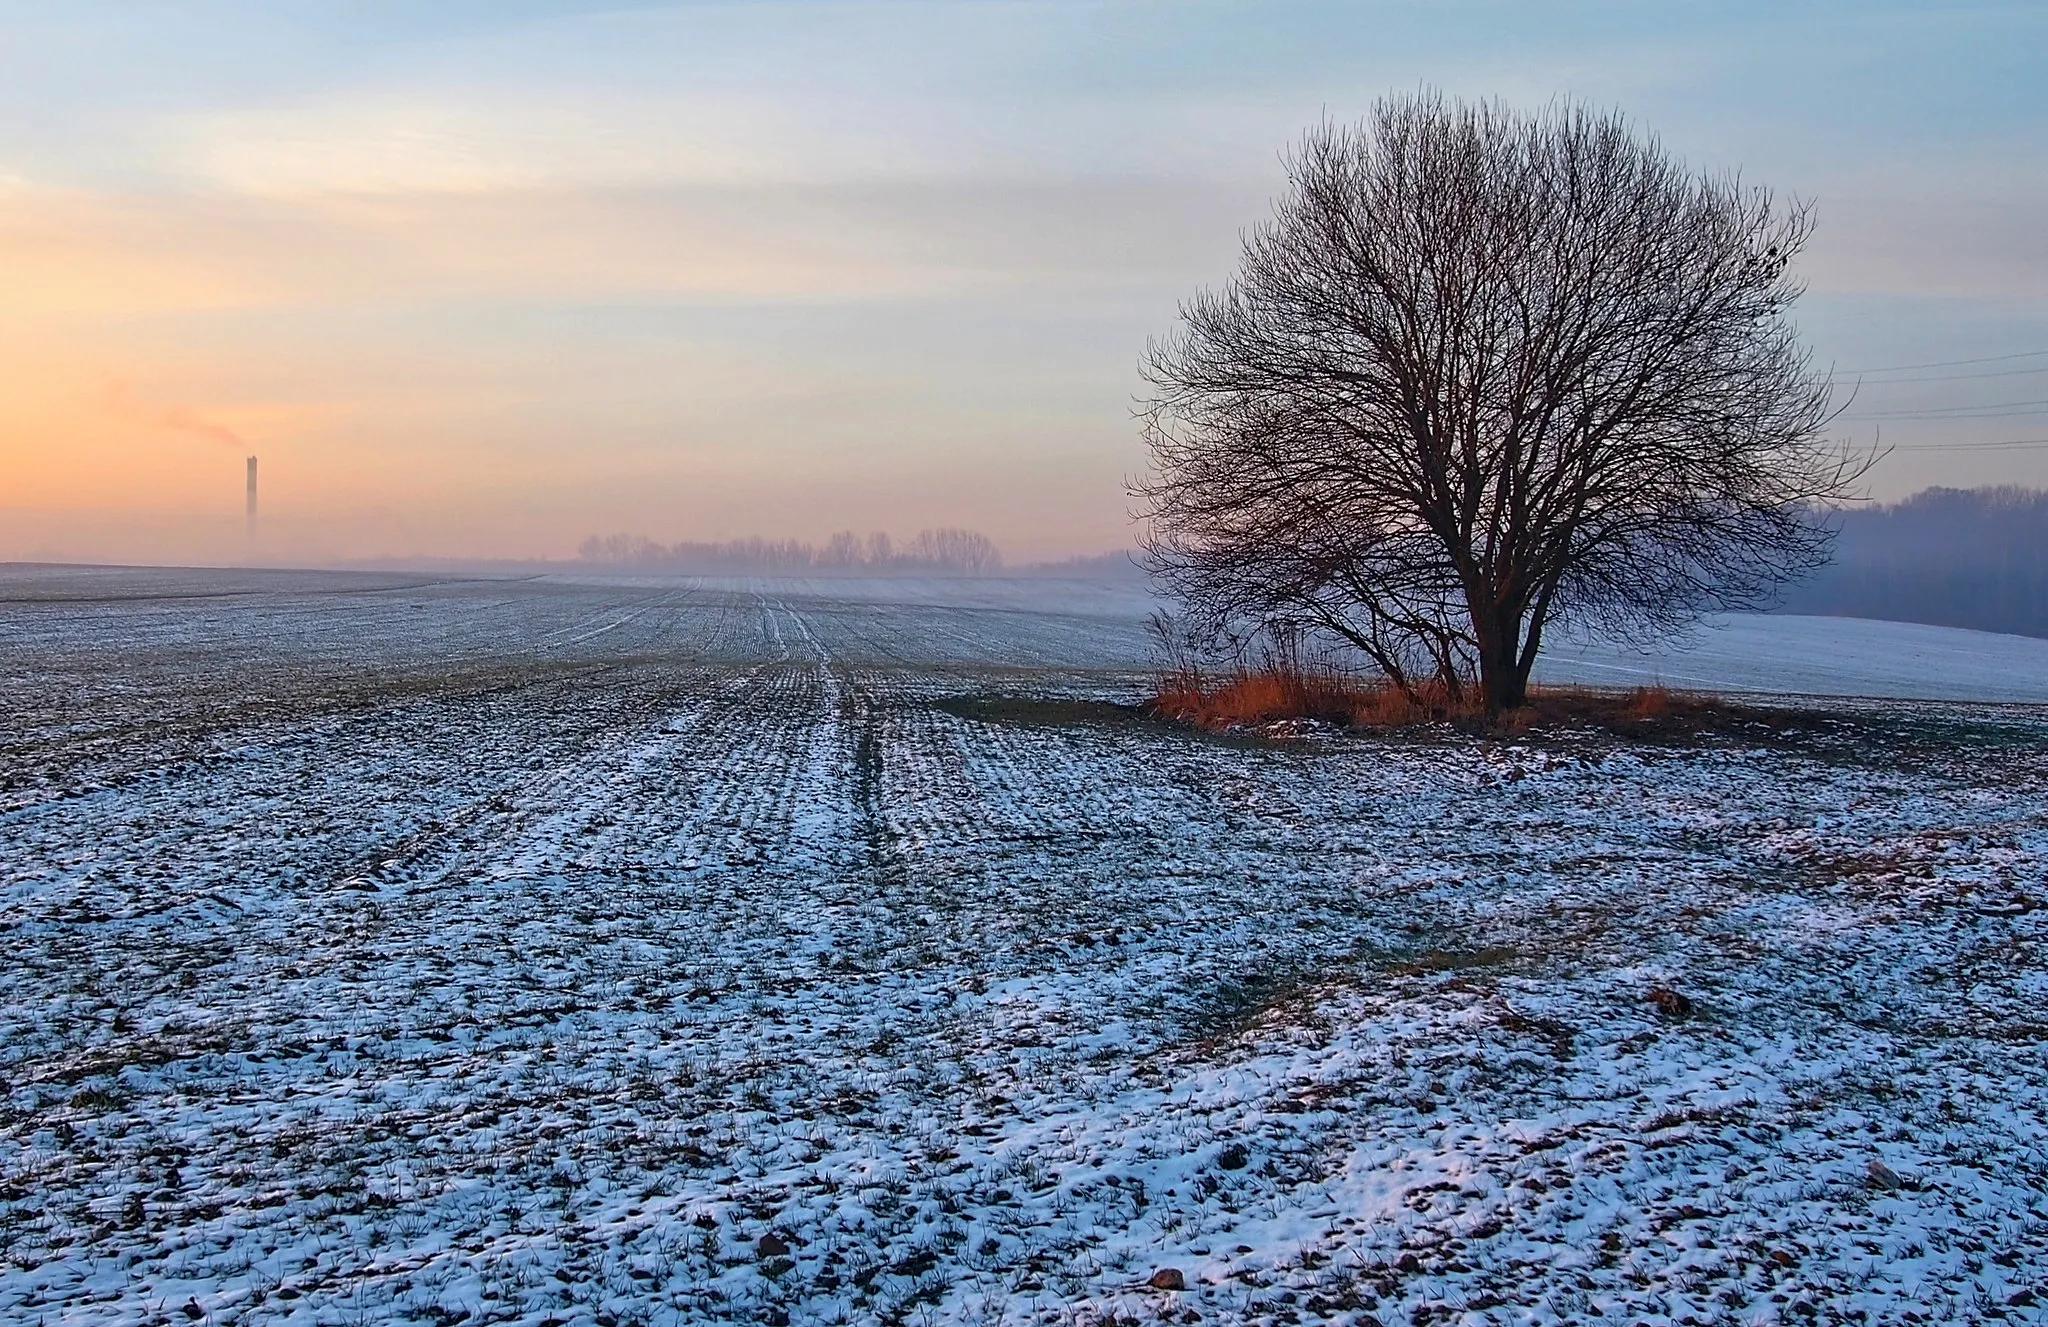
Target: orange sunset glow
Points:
(478, 287)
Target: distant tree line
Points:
(951, 552)
(1945, 556)
(1116, 565)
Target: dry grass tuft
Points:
(1652, 711)
(1261, 697)
(1252, 698)
(1249, 699)
(1646, 704)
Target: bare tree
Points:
(841, 550)
(967, 551)
(1481, 374)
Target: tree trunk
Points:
(1503, 684)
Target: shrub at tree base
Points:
(1248, 699)
(1255, 699)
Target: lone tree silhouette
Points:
(1484, 373)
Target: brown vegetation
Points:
(1249, 698)
(1256, 698)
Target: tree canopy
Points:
(1482, 373)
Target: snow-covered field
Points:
(388, 950)
(1821, 656)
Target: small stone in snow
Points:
(772, 1246)
(1168, 1278)
(1883, 1176)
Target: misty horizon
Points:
(1969, 558)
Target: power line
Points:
(2004, 445)
(1940, 415)
(1953, 363)
(1948, 377)
(1989, 410)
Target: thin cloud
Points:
(176, 419)
(185, 420)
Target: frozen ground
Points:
(1823, 656)
(386, 950)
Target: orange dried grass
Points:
(1249, 699)
(1253, 698)
(1646, 704)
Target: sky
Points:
(484, 277)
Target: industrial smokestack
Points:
(252, 495)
